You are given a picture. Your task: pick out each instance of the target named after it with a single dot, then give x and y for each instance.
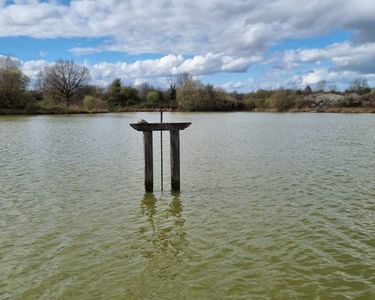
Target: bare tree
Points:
(358, 84)
(144, 89)
(64, 79)
(175, 82)
(321, 85)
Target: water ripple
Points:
(273, 206)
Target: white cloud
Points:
(287, 79)
(339, 78)
(203, 37)
(235, 28)
(214, 62)
(83, 51)
(240, 64)
(152, 69)
(158, 70)
(31, 68)
(139, 72)
(344, 56)
(169, 65)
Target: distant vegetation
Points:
(64, 87)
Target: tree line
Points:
(65, 87)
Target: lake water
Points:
(272, 206)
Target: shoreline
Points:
(69, 111)
(334, 109)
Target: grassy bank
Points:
(324, 110)
(207, 98)
(64, 110)
(53, 110)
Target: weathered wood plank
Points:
(149, 167)
(174, 129)
(159, 126)
(175, 159)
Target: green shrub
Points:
(250, 102)
(191, 96)
(224, 101)
(258, 99)
(195, 96)
(93, 104)
(131, 102)
(153, 97)
(282, 100)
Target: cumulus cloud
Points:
(211, 63)
(203, 37)
(170, 65)
(344, 56)
(184, 26)
(158, 71)
(31, 68)
(288, 78)
(338, 79)
(153, 69)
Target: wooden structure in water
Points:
(174, 129)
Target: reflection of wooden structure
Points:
(174, 129)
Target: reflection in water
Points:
(166, 226)
(164, 236)
(148, 207)
(175, 211)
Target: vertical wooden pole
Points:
(149, 168)
(175, 160)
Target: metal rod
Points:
(161, 152)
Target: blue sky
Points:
(237, 45)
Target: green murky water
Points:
(273, 206)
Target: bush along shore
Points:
(64, 88)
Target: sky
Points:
(238, 45)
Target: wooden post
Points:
(149, 168)
(174, 129)
(175, 159)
